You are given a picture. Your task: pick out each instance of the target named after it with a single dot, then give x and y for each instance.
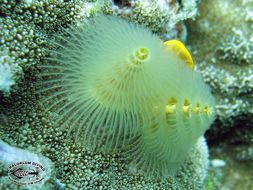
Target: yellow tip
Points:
(179, 48)
(186, 107)
(197, 108)
(170, 106)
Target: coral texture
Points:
(221, 39)
(6, 80)
(225, 60)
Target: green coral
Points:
(28, 28)
(25, 44)
(226, 26)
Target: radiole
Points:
(118, 87)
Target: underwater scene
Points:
(126, 94)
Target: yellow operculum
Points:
(178, 48)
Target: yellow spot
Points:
(207, 110)
(178, 48)
(186, 107)
(197, 108)
(170, 106)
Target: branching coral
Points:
(237, 48)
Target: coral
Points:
(231, 44)
(221, 42)
(189, 9)
(46, 15)
(234, 92)
(6, 78)
(150, 13)
(237, 48)
(162, 17)
(25, 44)
(11, 155)
(245, 154)
(10, 72)
(28, 27)
(225, 60)
(198, 171)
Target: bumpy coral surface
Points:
(163, 17)
(221, 39)
(29, 26)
